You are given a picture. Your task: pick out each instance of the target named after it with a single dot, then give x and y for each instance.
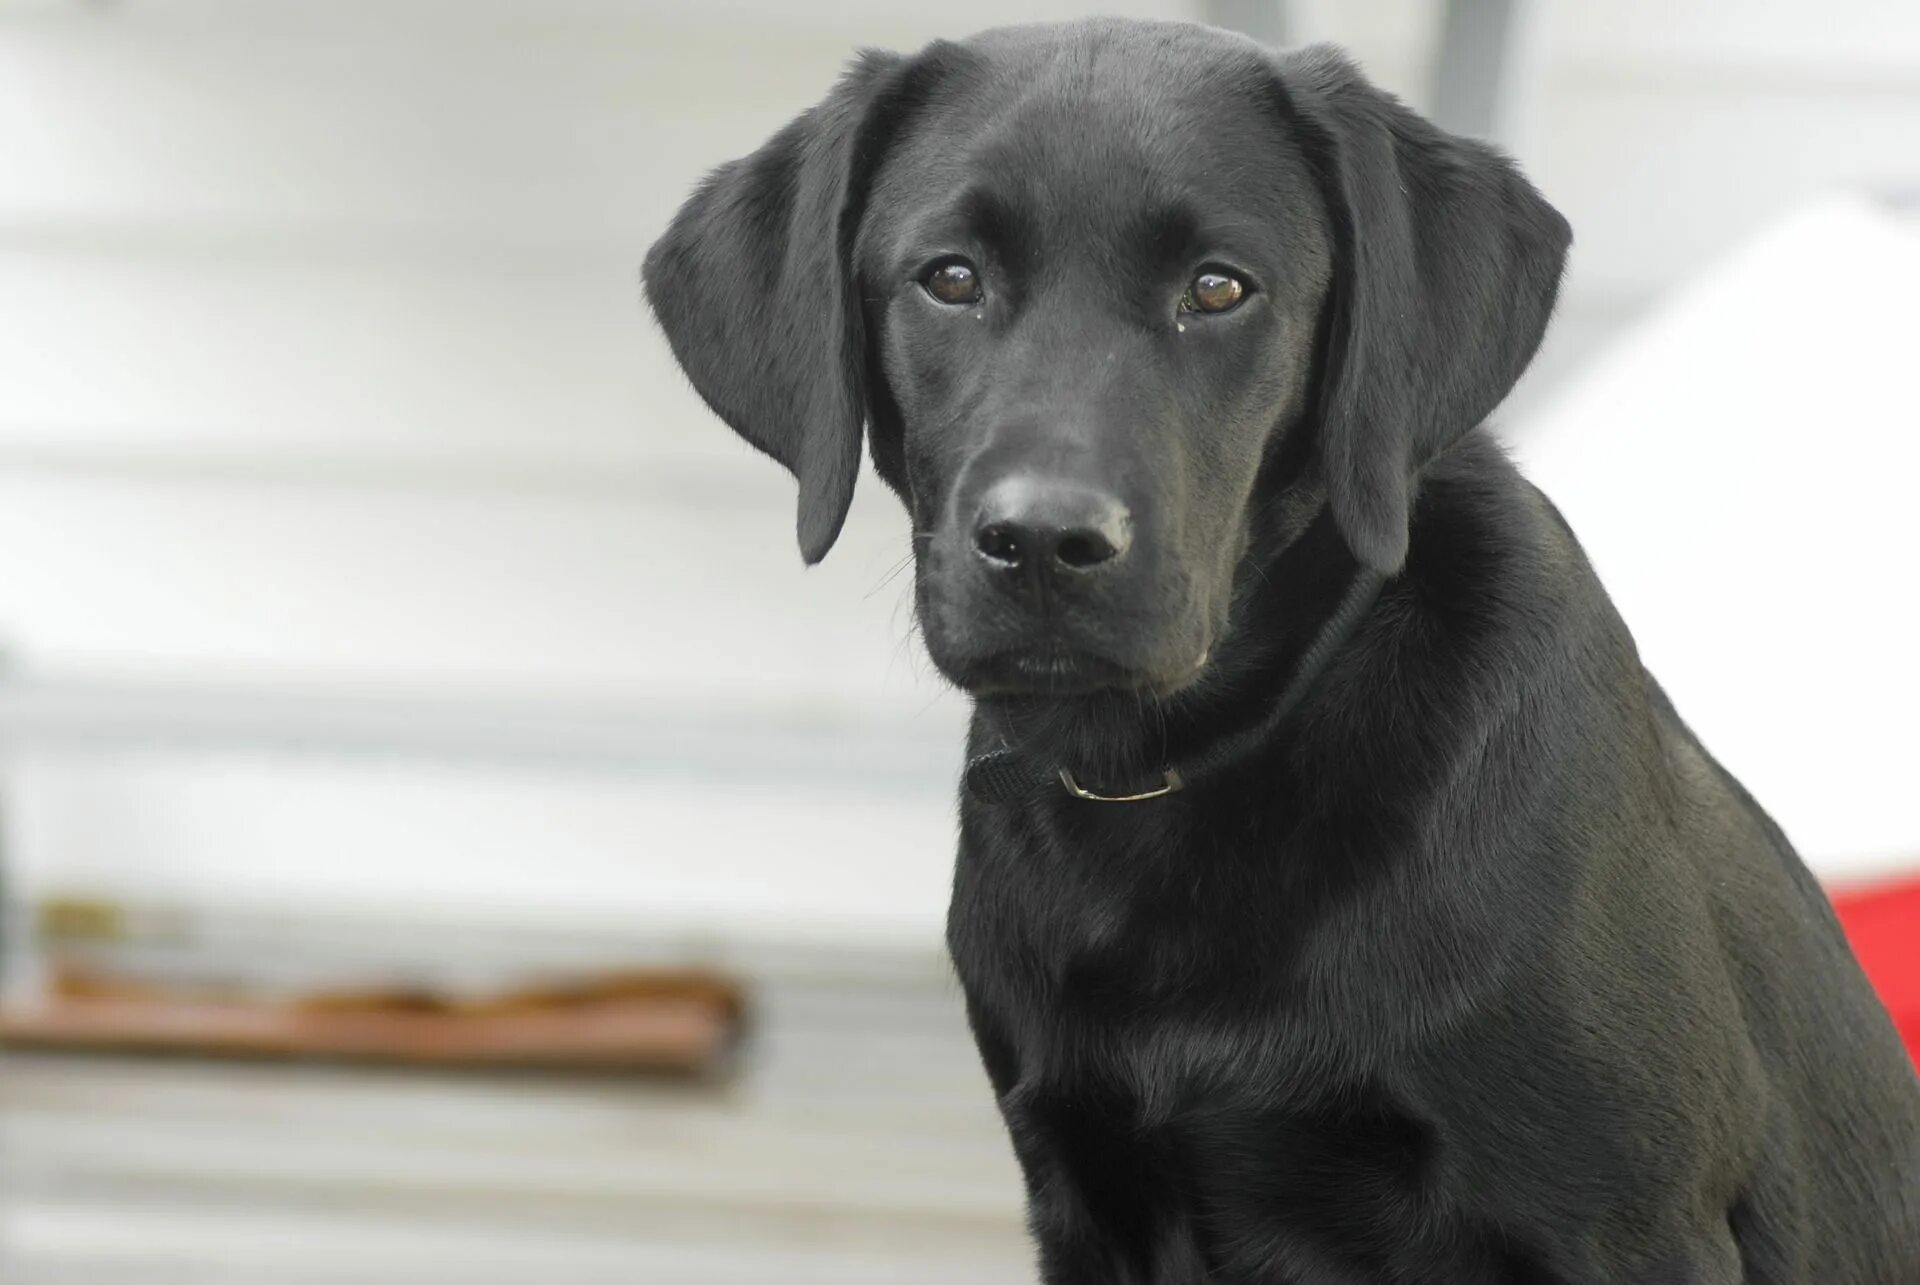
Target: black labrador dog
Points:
(1339, 900)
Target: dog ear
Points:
(1447, 263)
(753, 284)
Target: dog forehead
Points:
(1094, 122)
(1135, 55)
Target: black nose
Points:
(1050, 527)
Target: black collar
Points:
(1007, 774)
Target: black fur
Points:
(1478, 969)
(754, 288)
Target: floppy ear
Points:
(752, 283)
(1447, 262)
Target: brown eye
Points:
(1213, 292)
(954, 281)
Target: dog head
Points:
(1095, 295)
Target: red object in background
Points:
(1883, 923)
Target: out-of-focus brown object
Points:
(664, 1020)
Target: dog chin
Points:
(1054, 672)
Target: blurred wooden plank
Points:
(678, 1020)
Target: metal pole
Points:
(1482, 68)
(1268, 21)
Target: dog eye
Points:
(953, 281)
(1213, 292)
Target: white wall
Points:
(1740, 469)
(322, 369)
(325, 370)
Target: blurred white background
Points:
(326, 395)
(365, 561)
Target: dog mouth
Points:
(1049, 671)
(990, 657)
(1062, 671)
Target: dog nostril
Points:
(1083, 549)
(1000, 543)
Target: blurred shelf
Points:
(794, 743)
(465, 365)
(597, 597)
(860, 1147)
(421, 837)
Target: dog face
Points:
(1092, 308)
(1085, 288)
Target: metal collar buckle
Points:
(1170, 783)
